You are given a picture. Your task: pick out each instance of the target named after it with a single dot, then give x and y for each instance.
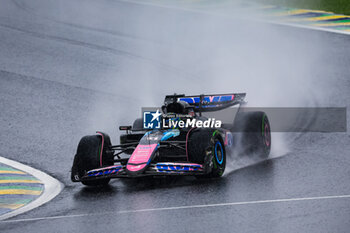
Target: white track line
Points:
(52, 187)
(232, 17)
(181, 208)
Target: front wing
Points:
(161, 168)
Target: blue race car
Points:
(188, 143)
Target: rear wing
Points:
(208, 103)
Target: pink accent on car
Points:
(134, 168)
(103, 139)
(104, 168)
(179, 164)
(140, 157)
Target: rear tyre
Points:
(254, 131)
(206, 144)
(88, 157)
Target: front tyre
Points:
(219, 158)
(205, 146)
(89, 156)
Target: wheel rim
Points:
(219, 152)
(267, 135)
(265, 131)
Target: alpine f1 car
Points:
(191, 149)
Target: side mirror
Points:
(127, 128)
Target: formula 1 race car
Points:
(188, 143)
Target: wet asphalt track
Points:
(69, 68)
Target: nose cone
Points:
(140, 159)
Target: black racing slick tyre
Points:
(255, 133)
(89, 157)
(205, 145)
